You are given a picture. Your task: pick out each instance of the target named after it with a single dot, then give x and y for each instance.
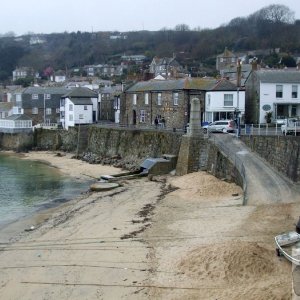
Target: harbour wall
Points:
(136, 145)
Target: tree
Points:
(275, 14)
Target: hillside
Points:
(269, 28)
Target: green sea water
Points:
(28, 186)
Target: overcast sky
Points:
(23, 16)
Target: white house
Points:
(79, 106)
(274, 92)
(224, 101)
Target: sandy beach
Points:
(166, 237)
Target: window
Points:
(35, 110)
(175, 98)
(57, 110)
(70, 117)
(81, 117)
(142, 116)
(294, 91)
(228, 99)
(134, 99)
(146, 99)
(48, 111)
(159, 99)
(35, 96)
(279, 89)
(85, 107)
(47, 96)
(70, 107)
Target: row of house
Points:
(274, 92)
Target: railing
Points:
(46, 126)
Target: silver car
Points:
(220, 126)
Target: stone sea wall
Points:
(282, 152)
(134, 146)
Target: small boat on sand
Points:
(288, 245)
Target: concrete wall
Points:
(282, 152)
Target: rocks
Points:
(130, 164)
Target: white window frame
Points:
(70, 107)
(48, 111)
(146, 98)
(279, 91)
(228, 102)
(159, 99)
(58, 110)
(134, 99)
(294, 91)
(142, 116)
(47, 96)
(71, 118)
(175, 98)
(35, 96)
(35, 110)
(85, 107)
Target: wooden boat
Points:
(288, 245)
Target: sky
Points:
(56, 16)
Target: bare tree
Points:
(275, 13)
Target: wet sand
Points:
(171, 237)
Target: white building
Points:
(274, 92)
(224, 101)
(79, 106)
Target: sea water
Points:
(28, 186)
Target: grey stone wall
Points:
(132, 143)
(282, 152)
(16, 141)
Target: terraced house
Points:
(41, 104)
(168, 99)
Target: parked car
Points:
(220, 126)
(292, 126)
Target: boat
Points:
(288, 245)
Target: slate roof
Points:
(46, 90)
(278, 76)
(202, 84)
(18, 117)
(82, 101)
(81, 92)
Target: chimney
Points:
(239, 73)
(254, 64)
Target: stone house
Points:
(109, 109)
(168, 67)
(22, 72)
(275, 92)
(225, 61)
(168, 99)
